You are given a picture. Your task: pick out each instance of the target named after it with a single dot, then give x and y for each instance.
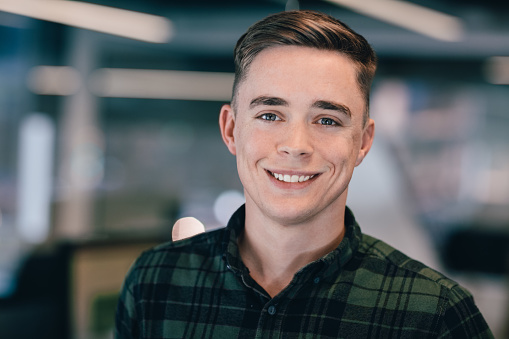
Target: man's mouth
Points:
(292, 178)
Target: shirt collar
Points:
(331, 263)
(230, 247)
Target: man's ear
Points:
(367, 140)
(227, 127)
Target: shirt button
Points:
(272, 310)
(317, 280)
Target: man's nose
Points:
(296, 141)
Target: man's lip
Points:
(292, 172)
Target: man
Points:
(292, 262)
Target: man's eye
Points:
(327, 122)
(269, 117)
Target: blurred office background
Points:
(108, 134)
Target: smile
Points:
(292, 178)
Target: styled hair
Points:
(307, 29)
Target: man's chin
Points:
(290, 216)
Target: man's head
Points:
(298, 126)
(306, 29)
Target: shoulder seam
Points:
(372, 249)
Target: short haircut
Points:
(307, 29)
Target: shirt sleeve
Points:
(462, 318)
(126, 322)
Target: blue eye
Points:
(327, 122)
(269, 117)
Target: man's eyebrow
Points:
(328, 105)
(267, 101)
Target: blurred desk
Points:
(70, 290)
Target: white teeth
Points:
(303, 178)
(292, 178)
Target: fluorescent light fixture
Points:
(35, 177)
(496, 70)
(54, 80)
(161, 84)
(408, 15)
(110, 20)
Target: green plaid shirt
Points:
(199, 288)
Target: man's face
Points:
(297, 133)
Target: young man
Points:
(292, 262)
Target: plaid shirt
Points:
(199, 288)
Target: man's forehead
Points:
(327, 77)
(274, 59)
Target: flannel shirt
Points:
(199, 288)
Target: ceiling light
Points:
(408, 15)
(161, 84)
(110, 20)
(54, 80)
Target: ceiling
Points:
(212, 27)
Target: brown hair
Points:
(307, 29)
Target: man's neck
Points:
(274, 252)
